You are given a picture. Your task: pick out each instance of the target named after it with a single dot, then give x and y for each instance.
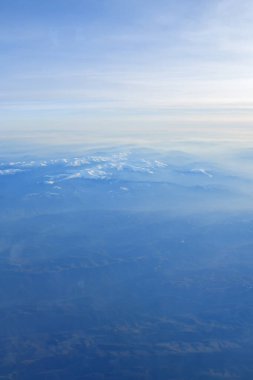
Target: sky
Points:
(129, 70)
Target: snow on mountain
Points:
(202, 171)
(10, 171)
(122, 165)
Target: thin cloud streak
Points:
(166, 62)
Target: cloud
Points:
(174, 64)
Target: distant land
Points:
(125, 263)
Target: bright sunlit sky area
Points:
(126, 70)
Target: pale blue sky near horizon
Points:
(117, 69)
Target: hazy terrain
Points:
(126, 264)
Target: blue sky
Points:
(120, 69)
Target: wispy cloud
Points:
(139, 63)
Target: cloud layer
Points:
(87, 66)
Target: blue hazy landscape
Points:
(126, 190)
(126, 263)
